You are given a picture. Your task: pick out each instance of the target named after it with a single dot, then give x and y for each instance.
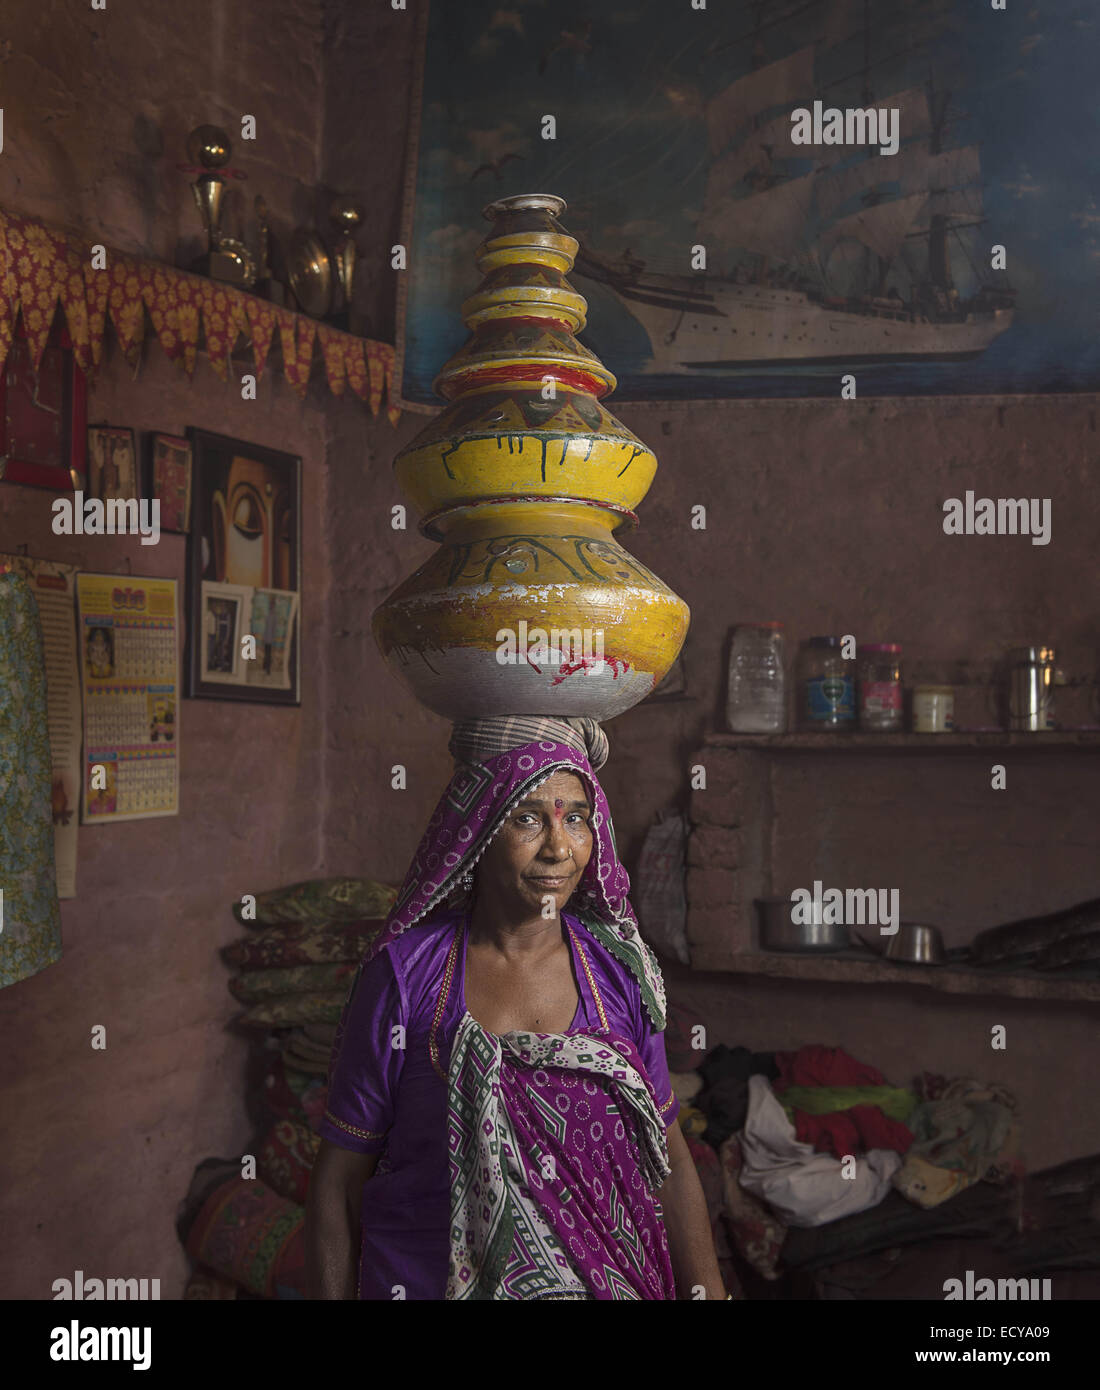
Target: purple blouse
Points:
(388, 1099)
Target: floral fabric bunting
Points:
(41, 267)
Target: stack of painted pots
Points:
(530, 605)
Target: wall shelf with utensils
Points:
(911, 811)
(853, 968)
(1060, 740)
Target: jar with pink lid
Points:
(879, 674)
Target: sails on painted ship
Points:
(831, 244)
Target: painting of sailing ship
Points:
(721, 258)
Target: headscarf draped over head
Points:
(498, 761)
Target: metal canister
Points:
(1031, 688)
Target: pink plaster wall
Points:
(823, 514)
(98, 1146)
(829, 517)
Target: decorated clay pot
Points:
(531, 605)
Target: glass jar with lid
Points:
(879, 673)
(826, 686)
(756, 701)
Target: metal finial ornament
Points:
(346, 215)
(209, 149)
(209, 146)
(524, 479)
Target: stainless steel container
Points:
(913, 943)
(1031, 688)
(779, 933)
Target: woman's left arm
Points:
(690, 1246)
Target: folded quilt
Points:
(321, 1032)
(319, 900)
(302, 944)
(292, 1010)
(303, 1054)
(204, 1284)
(248, 1233)
(287, 1092)
(286, 1159)
(755, 1230)
(254, 986)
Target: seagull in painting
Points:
(578, 44)
(494, 166)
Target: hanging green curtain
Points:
(31, 935)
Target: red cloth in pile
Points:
(854, 1131)
(840, 1132)
(815, 1065)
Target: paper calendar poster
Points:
(53, 588)
(129, 680)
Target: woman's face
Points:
(529, 858)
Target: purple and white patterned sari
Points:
(556, 1145)
(556, 1153)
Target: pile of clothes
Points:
(801, 1139)
(242, 1222)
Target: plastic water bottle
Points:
(757, 698)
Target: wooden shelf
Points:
(849, 969)
(1085, 740)
(732, 845)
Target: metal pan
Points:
(779, 933)
(914, 943)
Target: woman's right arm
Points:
(332, 1221)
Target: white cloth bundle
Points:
(802, 1186)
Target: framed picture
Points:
(168, 479)
(743, 233)
(112, 466)
(272, 623)
(222, 622)
(243, 571)
(43, 417)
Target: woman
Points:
(500, 1123)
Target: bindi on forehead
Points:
(558, 807)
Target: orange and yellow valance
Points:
(41, 267)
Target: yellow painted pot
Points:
(530, 610)
(510, 441)
(530, 605)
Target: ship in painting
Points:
(850, 262)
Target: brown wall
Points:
(824, 515)
(829, 517)
(99, 1147)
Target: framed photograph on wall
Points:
(112, 465)
(43, 416)
(243, 571)
(168, 479)
(222, 623)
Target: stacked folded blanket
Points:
(242, 1222)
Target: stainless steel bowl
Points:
(914, 943)
(779, 933)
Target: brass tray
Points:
(310, 273)
(238, 253)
